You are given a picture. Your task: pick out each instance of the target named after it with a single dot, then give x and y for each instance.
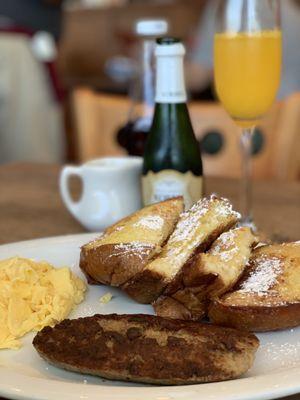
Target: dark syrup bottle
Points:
(133, 135)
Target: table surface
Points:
(30, 205)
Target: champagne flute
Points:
(247, 59)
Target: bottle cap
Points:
(169, 46)
(151, 27)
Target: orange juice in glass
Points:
(247, 62)
(247, 73)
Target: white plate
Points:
(23, 375)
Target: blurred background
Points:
(68, 72)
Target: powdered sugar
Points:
(228, 255)
(119, 228)
(153, 222)
(130, 246)
(225, 246)
(137, 248)
(264, 276)
(189, 220)
(224, 242)
(224, 207)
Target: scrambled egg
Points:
(106, 298)
(34, 295)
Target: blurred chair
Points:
(97, 118)
(287, 150)
(220, 140)
(276, 151)
(276, 141)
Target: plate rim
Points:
(262, 387)
(70, 237)
(255, 389)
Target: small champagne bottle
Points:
(172, 159)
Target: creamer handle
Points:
(66, 173)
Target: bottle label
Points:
(169, 183)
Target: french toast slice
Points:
(196, 229)
(268, 296)
(209, 275)
(146, 348)
(126, 247)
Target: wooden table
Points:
(30, 205)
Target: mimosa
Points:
(247, 55)
(247, 73)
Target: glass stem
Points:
(246, 189)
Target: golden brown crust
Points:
(128, 245)
(149, 284)
(145, 348)
(184, 296)
(112, 266)
(268, 295)
(144, 285)
(207, 276)
(257, 318)
(168, 307)
(155, 208)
